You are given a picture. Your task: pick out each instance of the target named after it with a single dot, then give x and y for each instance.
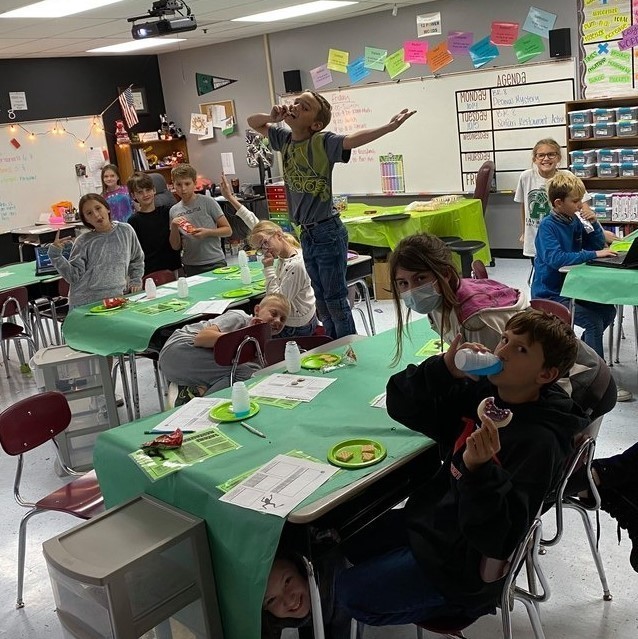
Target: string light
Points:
(58, 128)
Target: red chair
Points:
(15, 303)
(26, 425)
(553, 308)
(163, 276)
(275, 348)
(241, 346)
(479, 272)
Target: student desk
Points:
(463, 219)
(22, 274)
(243, 542)
(39, 234)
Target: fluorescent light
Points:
(136, 45)
(295, 11)
(56, 8)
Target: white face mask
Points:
(422, 299)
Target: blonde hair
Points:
(547, 142)
(268, 228)
(564, 184)
(278, 298)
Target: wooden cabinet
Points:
(131, 157)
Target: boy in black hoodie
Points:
(492, 482)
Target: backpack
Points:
(476, 295)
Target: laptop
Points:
(43, 264)
(628, 259)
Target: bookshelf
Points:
(130, 157)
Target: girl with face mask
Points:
(425, 280)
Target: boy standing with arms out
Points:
(309, 154)
(152, 226)
(570, 235)
(197, 224)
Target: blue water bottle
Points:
(476, 363)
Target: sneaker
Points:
(185, 394)
(624, 395)
(624, 510)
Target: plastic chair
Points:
(479, 272)
(553, 308)
(163, 276)
(26, 425)
(163, 197)
(241, 346)
(484, 178)
(15, 303)
(465, 249)
(275, 348)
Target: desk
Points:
(463, 219)
(41, 234)
(242, 541)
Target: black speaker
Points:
(292, 81)
(560, 44)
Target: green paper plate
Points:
(100, 308)
(224, 270)
(354, 446)
(259, 286)
(238, 292)
(319, 360)
(224, 412)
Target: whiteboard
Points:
(36, 172)
(462, 120)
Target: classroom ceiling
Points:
(73, 36)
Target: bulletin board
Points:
(37, 171)
(208, 109)
(462, 120)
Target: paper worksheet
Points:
(192, 280)
(280, 485)
(192, 416)
(214, 307)
(303, 388)
(160, 292)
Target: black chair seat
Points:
(448, 239)
(465, 249)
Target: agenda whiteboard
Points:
(36, 172)
(462, 120)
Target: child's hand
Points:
(455, 346)
(481, 445)
(199, 233)
(606, 253)
(521, 239)
(177, 220)
(610, 237)
(255, 320)
(61, 243)
(225, 187)
(400, 118)
(267, 259)
(588, 214)
(278, 113)
(135, 289)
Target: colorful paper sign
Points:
(395, 64)
(459, 42)
(428, 24)
(539, 22)
(504, 33)
(338, 60)
(528, 46)
(320, 76)
(357, 70)
(375, 58)
(439, 56)
(482, 52)
(415, 51)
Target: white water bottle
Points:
(182, 287)
(245, 275)
(240, 400)
(242, 258)
(150, 289)
(292, 357)
(475, 363)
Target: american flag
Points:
(128, 110)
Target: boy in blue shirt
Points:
(309, 154)
(568, 236)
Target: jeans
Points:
(594, 318)
(325, 250)
(299, 331)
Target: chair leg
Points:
(534, 617)
(22, 548)
(619, 335)
(158, 383)
(125, 387)
(135, 389)
(365, 294)
(5, 358)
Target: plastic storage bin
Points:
(584, 170)
(627, 128)
(580, 131)
(583, 156)
(607, 155)
(604, 129)
(629, 169)
(628, 155)
(133, 569)
(607, 169)
(603, 115)
(626, 113)
(580, 117)
(602, 212)
(601, 200)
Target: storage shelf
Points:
(160, 148)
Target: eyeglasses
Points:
(264, 247)
(549, 156)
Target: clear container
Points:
(583, 156)
(604, 129)
(627, 155)
(628, 169)
(603, 115)
(607, 155)
(150, 288)
(602, 212)
(583, 170)
(240, 400)
(580, 117)
(580, 131)
(627, 128)
(245, 275)
(607, 169)
(626, 113)
(242, 258)
(182, 287)
(292, 357)
(601, 200)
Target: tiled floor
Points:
(575, 610)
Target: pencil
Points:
(252, 430)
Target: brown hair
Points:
(546, 142)
(563, 185)
(105, 168)
(557, 339)
(266, 227)
(138, 182)
(87, 198)
(324, 115)
(183, 172)
(419, 253)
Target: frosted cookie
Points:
(500, 416)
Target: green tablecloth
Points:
(600, 284)
(243, 541)
(21, 274)
(463, 219)
(128, 331)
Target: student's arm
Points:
(73, 269)
(359, 138)
(175, 237)
(291, 281)
(521, 239)
(136, 265)
(262, 121)
(596, 239)
(223, 229)
(556, 256)
(207, 337)
(244, 214)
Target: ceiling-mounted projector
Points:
(164, 25)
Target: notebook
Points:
(628, 259)
(43, 264)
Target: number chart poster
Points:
(609, 47)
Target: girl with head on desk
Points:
(105, 262)
(425, 279)
(121, 203)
